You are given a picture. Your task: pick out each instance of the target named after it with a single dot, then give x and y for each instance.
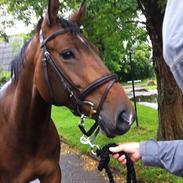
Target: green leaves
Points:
(107, 24)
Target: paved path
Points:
(150, 104)
(78, 168)
(73, 171)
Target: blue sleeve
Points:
(164, 154)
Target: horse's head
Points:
(71, 73)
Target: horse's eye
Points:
(67, 55)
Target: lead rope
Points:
(104, 164)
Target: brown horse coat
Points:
(29, 142)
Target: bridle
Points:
(78, 97)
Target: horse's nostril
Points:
(125, 117)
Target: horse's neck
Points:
(31, 110)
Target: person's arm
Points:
(164, 154)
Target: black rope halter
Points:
(75, 95)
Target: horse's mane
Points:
(17, 63)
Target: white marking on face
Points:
(81, 39)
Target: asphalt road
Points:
(77, 168)
(74, 171)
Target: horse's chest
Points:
(25, 171)
(23, 159)
(14, 173)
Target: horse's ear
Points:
(78, 16)
(53, 7)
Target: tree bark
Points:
(170, 98)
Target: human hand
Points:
(132, 149)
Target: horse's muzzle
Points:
(123, 124)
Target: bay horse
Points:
(58, 66)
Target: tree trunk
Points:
(170, 98)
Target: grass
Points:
(66, 124)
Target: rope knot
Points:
(104, 156)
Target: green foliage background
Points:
(114, 26)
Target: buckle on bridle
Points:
(92, 109)
(81, 126)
